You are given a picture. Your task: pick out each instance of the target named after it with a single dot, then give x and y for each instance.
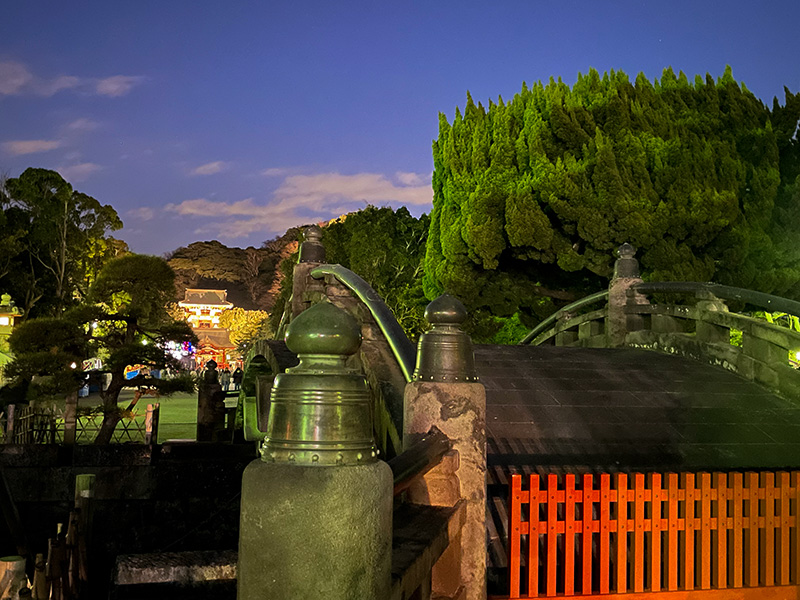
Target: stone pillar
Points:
(316, 516)
(305, 289)
(710, 332)
(626, 274)
(446, 393)
(210, 405)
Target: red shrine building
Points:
(202, 310)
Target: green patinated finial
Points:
(323, 329)
(626, 250)
(312, 250)
(320, 411)
(444, 354)
(446, 309)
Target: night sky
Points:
(236, 120)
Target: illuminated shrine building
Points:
(202, 310)
(203, 307)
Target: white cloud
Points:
(19, 147)
(79, 172)
(415, 179)
(209, 168)
(14, 77)
(143, 213)
(372, 188)
(302, 199)
(49, 87)
(81, 125)
(118, 85)
(275, 172)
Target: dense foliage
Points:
(53, 241)
(387, 249)
(244, 326)
(531, 197)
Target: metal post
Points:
(446, 393)
(316, 512)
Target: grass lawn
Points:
(178, 418)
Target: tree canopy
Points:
(125, 323)
(386, 248)
(53, 240)
(532, 196)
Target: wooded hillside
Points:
(251, 275)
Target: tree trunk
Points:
(111, 414)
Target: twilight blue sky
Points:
(235, 120)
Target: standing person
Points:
(237, 378)
(225, 379)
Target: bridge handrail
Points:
(724, 292)
(419, 458)
(577, 305)
(401, 346)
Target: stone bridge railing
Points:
(428, 413)
(638, 314)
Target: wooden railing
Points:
(46, 425)
(588, 535)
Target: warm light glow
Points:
(73, 366)
(5, 320)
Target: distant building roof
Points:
(207, 297)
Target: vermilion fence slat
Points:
(638, 557)
(705, 531)
(721, 558)
(569, 535)
(605, 532)
(738, 526)
(514, 514)
(533, 538)
(655, 535)
(586, 548)
(751, 558)
(785, 524)
(552, 535)
(622, 532)
(795, 564)
(768, 552)
(730, 531)
(689, 537)
(672, 534)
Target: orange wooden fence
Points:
(576, 536)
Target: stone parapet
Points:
(459, 411)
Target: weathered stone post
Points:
(316, 517)
(626, 274)
(305, 289)
(446, 393)
(70, 418)
(210, 405)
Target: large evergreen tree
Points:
(532, 196)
